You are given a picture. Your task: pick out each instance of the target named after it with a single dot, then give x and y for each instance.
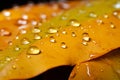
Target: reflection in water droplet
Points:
(36, 30)
(33, 50)
(86, 38)
(74, 22)
(63, 45)
(52, 30)
(4, 32)
(52, 39)
(37, 37)
(25, 41)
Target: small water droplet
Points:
(65, 5)
(28, 56)
(74, 22)
(43, 16)
(21, 22)
(52, 39)
(25, 16)
(93, 15)
(8, 59)
(34, 23)
(17, 48)
(88, 70)
(17, 37)
(25, 41)
(106, 16)
(13, 67)
(10, 43)
(99, 21)
(117, 14)
(36, 30)
(112, 25)
(64, 32)
(37, 37)
(63, 45)
(4, 32)
(22, 31)
(52, 30)
(33, 50)
(73, 34)
(64, 18)
(85, 43)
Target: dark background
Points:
(59, 73)
(9, 3)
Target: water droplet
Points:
(54, 14)
(117, 5)
(116, 14)
(99, 21)
(28, 56)
(6, 13)
(25, 16)
(85, 43)
(93, 15)
(17, 37)
(34, 23)
(21, 22)
(65, 5)
(63, 45)
(43, 16)
(22, 31)
(37, 37)
(73, 34)
(64, 32)
(36, 30)
(8, 59)
(64, 18)
(112, 25)
(52, 40)
(33, 50)
(88, 70)
(86, 38)
(17, 48)
(25, 41)
(10, 43)
(52, 30)
(74, 22)
(106, 16)
(4, 32)
(13, 67)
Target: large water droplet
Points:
(74, 22)
(25, 41)
(52, 30)
(33, 50)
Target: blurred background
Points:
(10, 3)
